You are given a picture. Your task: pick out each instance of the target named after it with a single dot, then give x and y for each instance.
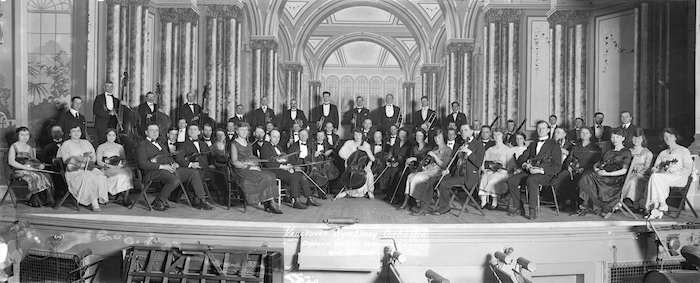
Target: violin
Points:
(32, 162)
(112, 160)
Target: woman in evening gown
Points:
(634, 190)
(420, 185)
(349, 147)
(22, 159)
(672, 168)
(258, 186)
(493, 180)
(111, 157)
(581, 158)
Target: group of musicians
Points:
(414, 167)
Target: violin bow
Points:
(442, 176)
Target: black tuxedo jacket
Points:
(468, 166)
(295, 147)
(236, 120)
(386, 122)
(317, 113)
(68, 121)
(628, 133)
(360, 115)
(550, 154)
(285, 121)
(607, 132)
(509, 138)
(418, 118)
(400, 153)
(188, 148)
(257, 147)
(260, 118)
(336, 140)
(143, 111)
(573, 134)
(48, 153)
(147, 150)
(488, 144)
(461, 119)
(185, 112)
(268, 152)
(102, 118)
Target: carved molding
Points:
(292, 66)
(503, 15)
(408, 85)
(315, 84)
(429, 69)
(568, 17)
(129, 2)
(178, 15)
(460, 47)
(224, 11)
(263, 43)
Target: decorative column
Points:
(264, 69)
(125, 46)
(695, 147)
(430, 80)
(409, 94)
(459, 66)
(314, 94)
(501, 64)
(223, 55)
(291, 80)
(179, 56)
(568, 67)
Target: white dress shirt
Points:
(319, 147)
(627, 125)
(151, 106)
(196, 145)
(293, 114)
(392, 140)
(326, 110)
(296, 136)
(109, 101)
(598, 131)
(451, 144)
(454, 116)
(424, 113)
(329, 137)
(191, 105)
(377, 148)
(303, 150)
(540, 143)
(389, 110)
(277, 150)
(74, 112)
(155, 142)
(181, 135)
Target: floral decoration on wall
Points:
(611, 45)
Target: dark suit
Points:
(509, 138)
(187, 149)
(260, 117)
(103, 120)
(68, 121)
(186, 112)
(296, 182)
(285, 121)
(296, 147)
(360, 114)
(604, 134)
(573, 135)
(335, 140)
(418, 119)
(628, 133)
(465, 171)
(48, 153)
(147, 151)
(144, 111)
(237, 120)
(550, 156)
(487, 144)
(459, 120)
(385, 122)
(317, 113)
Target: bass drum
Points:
(672, 276)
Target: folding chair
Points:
(683, 197)
(61, 168)
(146, 183)
(468, 198)
(14, 182)
(281, 192)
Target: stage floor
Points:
(365, 210)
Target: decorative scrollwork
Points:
(503, 15)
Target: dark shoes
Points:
(158, 205)
(272, 208)
(202, 203)
(310, 202)
(297, 204)
(440, 211)
(533, 214)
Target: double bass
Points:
(354, 176)
(322, 171)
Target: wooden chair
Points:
(469, 197)
(551, 204)
(683, 197)
(146, 183)
(13, 183)
(61, 169)
(234, 190)
(281, 192)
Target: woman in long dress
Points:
(258, 186)
(601, 187)
(219, 155)
(672, 168)
(493, 180)
(418, 152)
(349, 147)
(111, 157)
(420, 185)
(22, 159)
(86, 183)
(581, 158)
(634, 190)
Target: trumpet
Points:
(430, 120)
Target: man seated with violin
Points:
(293, 135)
(330, 136)
(286, 172)
(259, 139)
(465, 171)
(539, 162)
(393, 136)
(157, 162)
(194, 154)
(367, 129)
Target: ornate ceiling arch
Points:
(329, 46)
(408, 13)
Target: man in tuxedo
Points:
(171, 140)
(49, 151)
(540, 162)
(105, 110)
(147, 110)
(262, 115)
(239, 116)
(259, 135)
(476, 126)
(552, 125)
(326, 112)
(303, 147)
(181, 130)
(354, 117)
(390, 113)
(230, 131)
(368, 129)
(421, 117)
(290, 115)
(393, 136)
(72, 117)
(297, 186)
(452, 139)
(154, 158)
(509, 135)
(485, 137)
(600, 133)
(627, 128)
(574, 134)
(207, 132)
(330, 136)
(193, 154)
(457, 116)
(190, 111)
(465, 171)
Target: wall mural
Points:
(538, 73)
